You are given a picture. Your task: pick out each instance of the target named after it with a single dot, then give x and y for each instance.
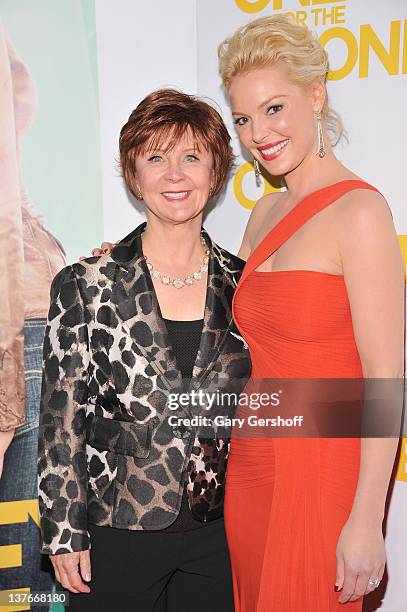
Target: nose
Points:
(260, 130)
(174, 171)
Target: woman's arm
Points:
(374, 276)
(62, 466)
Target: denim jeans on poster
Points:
(19, 479)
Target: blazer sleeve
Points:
(62, 468)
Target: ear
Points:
(138, 192)
(318, 94)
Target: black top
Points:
(185, 338)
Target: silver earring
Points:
(257, 172)
(321, 151)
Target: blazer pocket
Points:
(121, 437)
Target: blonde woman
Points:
(321, 296)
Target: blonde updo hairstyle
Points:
(278, 39)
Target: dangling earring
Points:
(257, 172)
(139, 195)
(321, 151)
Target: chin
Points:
(277, 169)
(179, 216)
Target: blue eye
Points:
(240, 121)
(190, 155)
(275, 108)
(154, 158)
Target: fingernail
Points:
(87, 577)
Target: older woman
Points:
(130, 497)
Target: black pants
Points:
(158, 572)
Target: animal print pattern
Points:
(107, 453)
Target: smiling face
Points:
(175, 182)
(275, 118)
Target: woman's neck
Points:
(314, 173)
(176, 243)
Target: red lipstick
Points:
(270, 152)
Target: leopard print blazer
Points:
(107, 453)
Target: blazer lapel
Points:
(217, 316)
(137, 306)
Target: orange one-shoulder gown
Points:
(287, 499)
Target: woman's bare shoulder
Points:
(363, 206)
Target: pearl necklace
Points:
(179, 283)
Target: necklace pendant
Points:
(178, 283)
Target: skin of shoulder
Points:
(363, 211)
(256, 219)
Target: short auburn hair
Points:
(167, 115)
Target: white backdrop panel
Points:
(141, 46)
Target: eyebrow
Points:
(264, 103)
(159, 150)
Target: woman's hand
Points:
(360, 557)
(71, 568)
(105, 249)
